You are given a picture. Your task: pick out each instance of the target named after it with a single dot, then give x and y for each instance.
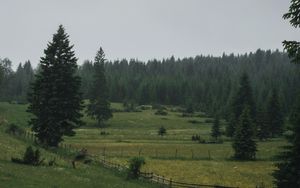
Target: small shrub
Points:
(30, 157)
(193, 121)
(162, 131)
(104, 133)
(209, 121)
(161, 112)
(135, 165)
(13, 129)
(184, 114)
(82, 154)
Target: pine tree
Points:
(288, 172)
(55, 100)
(215, 131)
(263, 131)
(243, 144)
(275, 118)
(99, 106)
(293, 47)
(243, 98)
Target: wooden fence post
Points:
(170, 185)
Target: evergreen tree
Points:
(263, 131)
(162, 131)
(243, 98)
(99, 106)
(215, 131)
(243, 144)
(55, 100)
(288, 172)
(293, 47)
(275, 118)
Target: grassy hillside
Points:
(173, 155)
(62, 175)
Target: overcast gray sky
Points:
(143, 29)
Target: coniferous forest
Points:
(208, 83)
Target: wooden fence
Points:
(158, 179)
(148, 176)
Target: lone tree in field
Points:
(162, 131)
(99, 106)
(55, 100)
(243, 144)
(243, 98)
(215, 131)
(275, 119)
(288, 172)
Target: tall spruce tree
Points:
(215, 131)
(263, 131)
(55, 100)
(243, 143)
(275, 117)
(288, 172)
(243, 98)
(99, 106)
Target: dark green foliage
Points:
(81, 155)
(14, 130)
(135, 165)
(215, 131)
(243, 98)
(55, 100)
(288, 172)
(293, 47)
(99, 106)
(263, 130)
(130, 106)
(30, 157)
(162, 131)
(243, 143)
(207, 82)
(275, 119)
(161, 112)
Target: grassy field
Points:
(61, 175)
(173, 155)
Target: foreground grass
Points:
(61, 175)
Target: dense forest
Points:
(205, 82)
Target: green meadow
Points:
(130, 134)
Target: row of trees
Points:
(208, 83)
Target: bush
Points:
(104, 133)
(162, 131)
(135, 165)
(187, 115)
(161, 112)
(81, 155)
(209, 121)
(13, 129)
(30, 157)
(193, 121)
